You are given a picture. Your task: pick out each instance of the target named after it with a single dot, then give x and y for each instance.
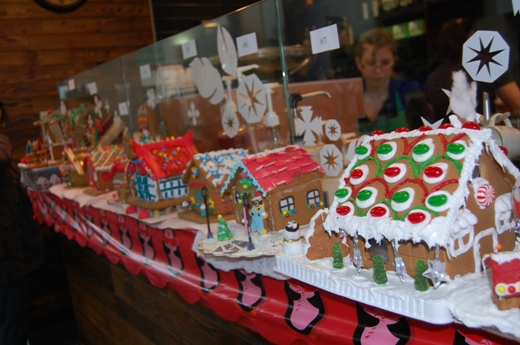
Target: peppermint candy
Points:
(485, 195)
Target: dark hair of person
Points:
(452, 36)
(377, 37)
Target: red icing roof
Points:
(166, 158)
(278, 167)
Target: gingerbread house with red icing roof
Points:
(155, 175)
(280, 185)
(429, 194)
(506, 279)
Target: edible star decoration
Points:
(436, 272)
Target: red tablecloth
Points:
(284, 312)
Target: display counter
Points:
(139, 283)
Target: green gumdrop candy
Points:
(438, 200)
(456, 148)
(421, 149)
(364, 195)
(421, 282)
(401, 197)
(361, 150)
(384, 149)
(379, 271)
(341, 193)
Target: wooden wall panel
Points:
(39, 48)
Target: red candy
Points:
(402, 130)
(504, 149)
(392, 171)
(471, 125)
(357, 173)
(425, 128)
(343, 210)
(511, 289)
(378, 211)
(432, 172)
(446, 125)
(378, 132)
(416, 217)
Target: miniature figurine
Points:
(292, 240)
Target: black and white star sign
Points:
(485, 56)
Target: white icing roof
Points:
(441, 230)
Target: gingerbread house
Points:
(72, 171)
(155, 175)
(430, 194)
(505, 285)
(278, 186)
(98, 165)
(210, 170)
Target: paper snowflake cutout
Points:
(516, 7)
(485, 56)
(193, 114)
(251, 98)
(227, 51)
(98, 104)
(436, 272)
(207, 79)
(333, 130)
(307, 126)
(331, 160)
(230, 122)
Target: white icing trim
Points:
(504, 219)
(391, 154)
(476, 246)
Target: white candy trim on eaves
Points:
(443, 231)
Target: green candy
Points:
(438, 200)
(401, 197)
(364, 195)
(384, 149)
(342, 193)
(456, 148)
(361, 150)
(421, 149)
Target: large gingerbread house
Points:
(155, 175)
(210, 170)
(281, 185)
(442, 194)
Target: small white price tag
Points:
(123, 108)
(145, 71)
(92, 88)
(324, 39)
(72, 84)
(246, 44)
(189, 49)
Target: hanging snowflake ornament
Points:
(333, 130)
(308, 126)
(485, 56)
(193, 113)
(230, 122)
(252, 100)
(331, 160)
(207, 79)
(516, 7)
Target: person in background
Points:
(452, 36)
(21, 248)
(384, 95)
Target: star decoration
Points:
(230, 122)
(251, 98)
(485, 49)
(333, 130)
(485, 56)
(436, 272)
(331, 160)
(448, 93)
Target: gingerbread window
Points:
(313, 196)
(287, 204)
(380, 249)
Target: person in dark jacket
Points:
(21, 248)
